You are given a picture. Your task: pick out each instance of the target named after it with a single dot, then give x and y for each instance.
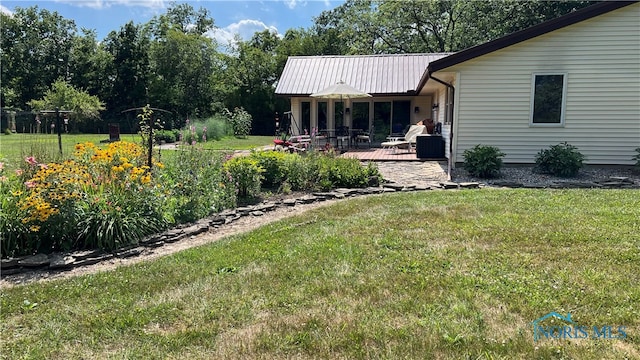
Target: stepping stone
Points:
(394, 186)
(35, 261)
(131, 252)
(60, 261)
(469, 185)
(289, 202)
(506, 183)
(9, 263)
(449, 185)
(81, 255)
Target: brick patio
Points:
(379, 154)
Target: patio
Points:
(380, 154)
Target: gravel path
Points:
(527, 176)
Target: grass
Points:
(233, 143)
(446, 275)
(13, 148)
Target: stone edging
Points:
(67, 261)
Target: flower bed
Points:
(109, 199)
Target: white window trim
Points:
(533, 95)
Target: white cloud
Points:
(244, 28)
(101, 4)
(5, 10)
(291, 4)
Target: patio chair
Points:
(365, 137)
(408, 141)
(342, 135)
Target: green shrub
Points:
(195, 185)
(326, 171)
(560, 160)
(240, 121)
(483, 161)
(274, 167)
(246, 174)
(7, 131)
(168, 136)
(202, 130)
(343, 172)
(637, 159)
(299, 172)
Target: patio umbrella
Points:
(340, 90)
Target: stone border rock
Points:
(71, 260)
(612, 182)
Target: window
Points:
(548, 91)
(360, 117)
(322, 115)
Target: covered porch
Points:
(393, 82)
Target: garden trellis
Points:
(150, 140)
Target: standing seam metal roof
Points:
(373, 74)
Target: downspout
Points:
(453, 99)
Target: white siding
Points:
(601, 57)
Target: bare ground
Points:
(242, 225)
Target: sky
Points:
(231, 17)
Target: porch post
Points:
(314, 114)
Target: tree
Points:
(182, 68)
(129, 70)
(63, 96)
(252, 73)
(89, 64)
(183, 18)
(35, 49)
(182, 60)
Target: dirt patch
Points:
(242, 225)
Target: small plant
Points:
(246, 173)
(637, 159)
(7, 131)
(483, 161)
(560, 160)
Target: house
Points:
(392, 80)
(575, 79)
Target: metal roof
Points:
(373, 74)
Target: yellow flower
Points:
(34, 228)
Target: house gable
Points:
(600, 58)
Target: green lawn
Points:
(233, 143)
(13, 148)
(433, 275)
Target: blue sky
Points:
(242, 17)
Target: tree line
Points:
(172, 63)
